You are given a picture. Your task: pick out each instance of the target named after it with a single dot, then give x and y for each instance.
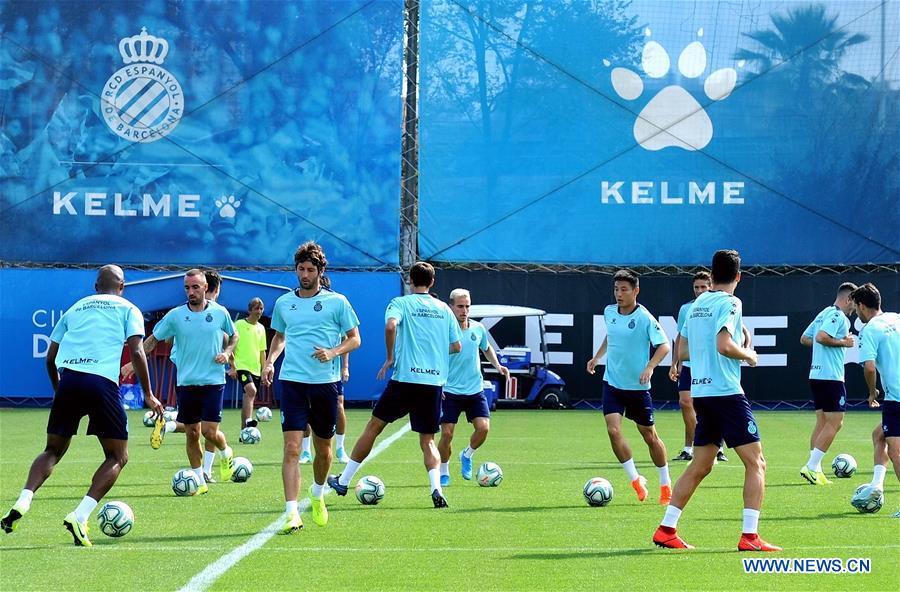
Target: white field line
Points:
(214, 571)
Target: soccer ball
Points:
(185, 483)
(150, 419)
(369, 490)
(242, 469)
(844, 466)
(264, 414)
(116, 519)
(598, 492)
(250, 436)
(170, 415)
(867, 499)
(489, 475)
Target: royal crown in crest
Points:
(143, 48)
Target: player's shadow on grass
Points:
(598, 554)
(240, 536)
(768, 485)
(591, 465)
(109, 497)
(517, 509)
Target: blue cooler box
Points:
(132, 396)
(515, 358)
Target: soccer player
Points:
(879, 352)
(313, 327)
(464, 390)
(425, 333)
(83, 366)
(249, 358)
(711, 339)
(829, 335)
(197, 327)
(680, 372)
(630, 333)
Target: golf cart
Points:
(531, 383)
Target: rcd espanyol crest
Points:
(143, 101)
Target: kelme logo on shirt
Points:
(751, 427)
(208, 318)
(318, 306)
(631, 324)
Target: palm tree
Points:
(806, 46)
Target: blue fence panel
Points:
(656, 132)
(174, 131)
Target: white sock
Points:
(434, 478)
(339, 440)
(290, 507)
(170, 427)
(84, 509)
(208, 458)
(751, 521)
(198, 471)
(24, 501)
(305, 444)
(445, 469)
(318, 490)
(468, 452)
(664, 475)
(349, 472)
(689, 449)
(815, 460)
(226, 452)
(877, 477)
(671, 517)
(630, 469)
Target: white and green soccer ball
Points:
(170, 414)
(598, 492)
(489, 475)
(116, 519)
(263, 414)
(150, 419)
(242, 469)
(844, 466)
(369, 490)
(185, 483)
(250, 436)
(867, 499)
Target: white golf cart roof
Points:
(503, 310)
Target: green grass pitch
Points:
(533, 532)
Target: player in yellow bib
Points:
(249, 358)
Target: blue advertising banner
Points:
(171, 132)
(33, 300)
(654, 132)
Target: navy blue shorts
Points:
(80, 394)
(453, 405)
(727, 418)
(684, 379)
(313, 404)
(890, 419)
(828, 395)
(421, 401)
(198, 403)
(635, 405)
(245, 377)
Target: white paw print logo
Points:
(228, 206)
(673, 117)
